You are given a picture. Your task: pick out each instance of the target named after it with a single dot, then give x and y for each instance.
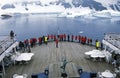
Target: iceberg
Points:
(75, 12)
(63, 14)
(81, 32)
(4, 15)
(106, 14)
(102, 14)
(115, 14)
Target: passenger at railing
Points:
(60, 37)
(68, 38)
(54, 37)
(97, 44)
(31, 42)
(79, 38)
(101, 46)
(96, 41)
(72, 37)
(64, 37)
(75, 38)
(11, 34)
(29, 50)
(40, 40)
(43, 38)
(21, 46)
(26, 42)
(46, 40)
(56, 41)
(34, 41)
(48, 37)
(90, 41)
(85, 39)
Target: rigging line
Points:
(58, 31)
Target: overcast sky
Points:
(10, 1)
(43, 1)
(47, 1)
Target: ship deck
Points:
(49, 54)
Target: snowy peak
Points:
(116, 6)
(97, 5)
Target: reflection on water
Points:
(27, 26)
(115, 20)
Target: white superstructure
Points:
(112, 40)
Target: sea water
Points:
(28, 26)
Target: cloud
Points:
(11, 1)
(6, 1)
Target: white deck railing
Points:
(113, 39)
(5, 42)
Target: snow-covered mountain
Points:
(64, 6)
(98, 5)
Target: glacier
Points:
(64, 8)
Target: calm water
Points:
(28, 26)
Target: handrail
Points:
(5, 42)
(113, 44)
(7, 47)
(109, 37)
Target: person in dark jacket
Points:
(90, 41)
(79, 37)
(68, 38)
(21, 46)
(26, 43)
(11, 34)
(72, 37)
(101, 46)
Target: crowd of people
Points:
(26, 44)
(29, 43)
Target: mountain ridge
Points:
(92, 4)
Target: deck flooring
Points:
(49, 54)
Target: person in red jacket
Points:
(31, 42)
(75, 38)
(40, 40)
(82, 40)
(26, 43)
(34, 41)
(64, 37)
(57, 42)
(60, 37)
